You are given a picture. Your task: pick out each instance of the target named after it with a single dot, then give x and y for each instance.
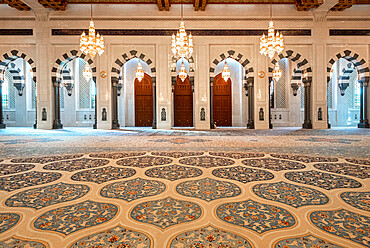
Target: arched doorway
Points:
(183, 103)
(77, 94)
(222, 105)
(18, 93)
(144, 102)
(135, 99)
(229, 101)
(343, 95)
(287, 96)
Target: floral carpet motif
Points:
(177, 154)
(117, 237)
(359, 171)
(8, 220)
(133, 189)
(44, 160)
(326, 140)
(33, 178)
(116, 155)
(237, 155)
(209, 237)
(208, 189)
(77, 164)
(255, 216)
(38, 198)
(305, 159)
(173, 172)
(273, 164)
(359, 161)
(306, 241)
(179, 140)
(102, 175)
(242, 174)
(345, 224)
(290, 194)
(142, 162)
(206, 161)
(359, 200)
(76, 217)
(323, 180)
(6, 169)
(19, 243)
(166, 212)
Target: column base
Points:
(364, 124)
(57, 126)
(329, 126)
(213, 125)
(115, 125)
(307, 125)
(270, 125)
(95, 126)
(250, 124)
(154, 126)
(2, 126)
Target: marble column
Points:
(364, 122)
(2, 124)
(307, 124)
(249, 83)
(115, 124)
(154, 126)
(57, 123)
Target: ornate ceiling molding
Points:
(18, 4)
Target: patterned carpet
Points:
(194, 198)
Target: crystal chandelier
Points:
(183, 73)
(86, 72)
(276, 73)
(139, 72)
(273, 42)
(182, 44)
(91, 44)
(225, 72)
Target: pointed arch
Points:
(359, 63)
(13, 55)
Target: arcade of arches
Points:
(91, 156)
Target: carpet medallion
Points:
(184, 199)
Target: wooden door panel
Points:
(144, 102)
(183, 103)
(222, 108)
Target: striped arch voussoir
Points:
(358, 62)
(297, 58)
(125, 57)
(249, 72)
(56, 71)
(13, 55)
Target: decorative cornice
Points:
(349, 32)
(176, 19)
(340, 19)
(16, 32)
(169, 32)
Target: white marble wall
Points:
(318, 49)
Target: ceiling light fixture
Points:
(277, 72)
(272, 43)
(182, 44)
(183, 73)
(87, 72)
(225, 72)
(91, 44)
(139, 72)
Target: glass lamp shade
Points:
(139, 72)
(276, 73)
(225, 72)
(86, 72)
(183, 73)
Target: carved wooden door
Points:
(222, 111)
(183, 103)
(144, 102)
